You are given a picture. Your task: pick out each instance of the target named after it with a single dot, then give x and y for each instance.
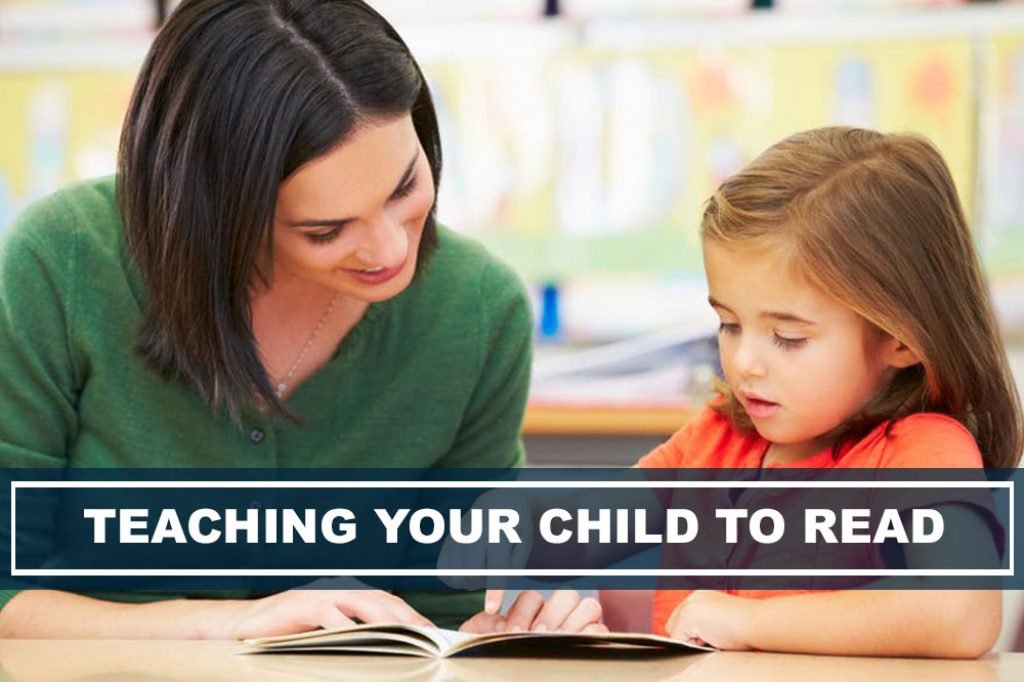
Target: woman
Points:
(263, 285)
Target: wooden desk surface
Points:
(568, 420)
(163, 661)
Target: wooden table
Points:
(65, 660)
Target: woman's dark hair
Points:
(234, 96)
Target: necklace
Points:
(282, 385)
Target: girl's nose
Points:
(746, 360)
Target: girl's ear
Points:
(898, 354)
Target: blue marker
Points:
(550, 322)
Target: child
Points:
(856, 332)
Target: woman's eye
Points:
(787, 343)
(406, 189)
(728, 328)
(323, 237)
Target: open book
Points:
(412, 640)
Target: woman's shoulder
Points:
(461, 257)
(71, 243)
(462, 271)
(54, 224)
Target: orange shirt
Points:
(708, 441)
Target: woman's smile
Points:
(376, 275)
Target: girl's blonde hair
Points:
(874, 220)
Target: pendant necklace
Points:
(282, 385)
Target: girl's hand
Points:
(712, 618)
(565, 611)
(302, 610)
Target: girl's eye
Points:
(787, 343)
(323, 237)
(728, 328)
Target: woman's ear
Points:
(898, 354)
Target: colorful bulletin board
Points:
(591, 161)
(1002, 180)
(57, 127)
(600, 160)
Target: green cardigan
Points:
(435, 377)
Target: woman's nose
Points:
(386, 244)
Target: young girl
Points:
(856, 332)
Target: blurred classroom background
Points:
(581, 138)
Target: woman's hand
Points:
(565, 611)
(302, 610)
(712, 618)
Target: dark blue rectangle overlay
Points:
(267, 530)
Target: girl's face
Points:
(798, 361)
(351, 220)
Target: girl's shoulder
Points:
(924, 440)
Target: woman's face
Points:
(351, 220)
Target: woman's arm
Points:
(40, 375)
(43, 614)
(49, 614)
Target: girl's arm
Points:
(932, 623)
(875, 622)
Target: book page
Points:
(548, 641)
(426, 641)
(385, 638)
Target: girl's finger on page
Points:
(586, 613)
(595, 629)
(483, 623)
(523, 611)
(559, 606)
(493, 600)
